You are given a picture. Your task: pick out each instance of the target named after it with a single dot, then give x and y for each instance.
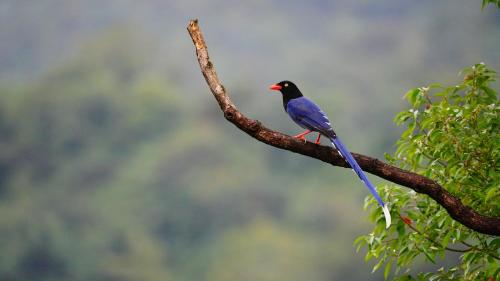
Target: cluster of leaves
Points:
(494, 2)
(451, 137)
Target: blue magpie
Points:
(309, 116)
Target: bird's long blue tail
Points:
(354, 165)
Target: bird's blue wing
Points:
(308, 115)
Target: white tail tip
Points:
(387, 216)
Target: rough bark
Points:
(458, 211)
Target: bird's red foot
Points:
(317, 140)
(303, 135)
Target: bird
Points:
(309, 116)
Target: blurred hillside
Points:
(116, 164)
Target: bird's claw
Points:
(303, 135)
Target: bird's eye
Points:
(286, 84)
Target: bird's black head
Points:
(288, 90)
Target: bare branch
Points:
(458, 211)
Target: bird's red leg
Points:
(302, 136)
(317, 140)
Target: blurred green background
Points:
(116, 163)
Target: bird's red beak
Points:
(275, 87)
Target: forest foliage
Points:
(104, 177)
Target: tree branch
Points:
(458, 211)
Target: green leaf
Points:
(428, 255)
(360, 242)
(492, 193)
(489, 92)
(458, 234)
(402, 116)
(378, 265)
(368, 256)
(408, 131)
(387, 269)
(494, 243)
(446, 238)
(411, 95)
